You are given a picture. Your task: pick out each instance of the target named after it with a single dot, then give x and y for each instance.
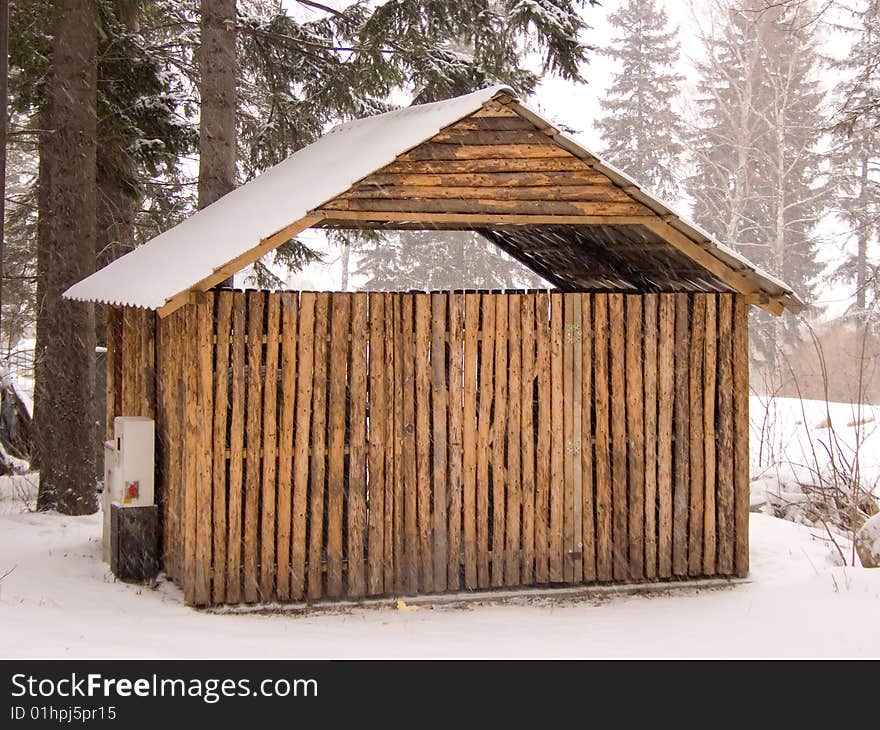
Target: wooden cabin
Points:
(320, 446)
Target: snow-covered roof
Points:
(191, 252)
(184, 255)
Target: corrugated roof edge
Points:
(737, 262)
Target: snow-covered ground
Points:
(60, 600)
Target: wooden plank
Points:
(392, 444)
(499, 437)
(357, 456)
(488, 123)
(457, 136)
(317, 461)
(205, 409)
(741, 434)
(570, 447)
(700, 255)
(494, 109)
(557, 439)
(498, 165)
(190, 461)
(582, 178)
(617, 363)
(544, 445)
(221, 407)
(650, 388)
(423, 439)
(513, 550)
(588, 520)
(253, 433)
(469, 438)
(681, 463)
(725, 527)
(487, 361)
(486, 205)
(456, 353)
(430, 151)
(289, 311)
(576, 193)
(665, 410)
(601, 446)
(302, 436)
(439, 408)
(113, 316)
(401, 466)
(577, 557)
(340, 320)
(527, 437)
(635, 426)
(377, 445)
(710, 365)
(697, 445)
(481, 218)
(268, 567)
(236, 449)
(411, 553)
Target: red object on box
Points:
(132, 489)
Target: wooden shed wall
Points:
(315, 445)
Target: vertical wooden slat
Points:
(205, 410)
(318, 458)
(601, 445)
(577, 393)
(499, 439)
(357, 461)
(113, 353)
(456, 353)
(270, 449)
(423, 439)
(337, 377)
(377, 445)
(221, 407)
(697, 445)
(557, 439)
(253, 445)
(618, 435)
(665, 411)
(302, 437)
(725, 436)
(544, 445)
(410, 550)
(570, 448)
(439, 407)
(392, 376)
(635, 426)
(469, 438)
(741, 433)
(588, 520)
(527, 437)
(289, 338)
(190, 460)
(514, 485)
(236, 449)
(680, 494)
(710, 364)
(487, 360)
(650, 386)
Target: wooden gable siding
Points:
(493, 162)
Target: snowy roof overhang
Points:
(256, 218)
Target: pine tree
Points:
(856, 158)
(65, 354)
(758, 170)
(641, 127)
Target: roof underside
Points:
(479, 162)
(612, 258)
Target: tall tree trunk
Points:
(4, 75)
(217, 73)
(63, 397)
(863, 225)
